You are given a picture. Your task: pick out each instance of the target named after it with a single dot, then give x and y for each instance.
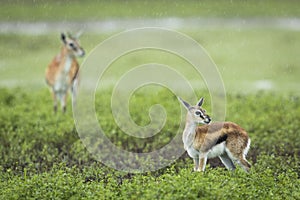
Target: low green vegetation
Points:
(42, 156)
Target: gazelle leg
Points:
(196, 164)
(202, 162)
(64, 102)
(54, 101)
(240, 160)
(227, 161)
(244, 164)
(74, 90)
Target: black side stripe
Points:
(222, 139)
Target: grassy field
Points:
(42, 156)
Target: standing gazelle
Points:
(226, 140)
(62, 72)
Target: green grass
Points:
(28, 10)
(43, 158)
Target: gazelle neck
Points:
(67, 58)
(189, 132)
(66, 53)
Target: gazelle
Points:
(225, 140)
(62, 72)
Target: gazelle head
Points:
(196, 113)
(72, 45)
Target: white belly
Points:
(213, 152)
(61, 84)
(217, 150)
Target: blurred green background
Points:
(255, 44)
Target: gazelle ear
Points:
(200, 102)
(78, 34)
(63, 37)
(186, 104)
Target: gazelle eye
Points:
(198, 113)
(72, 45)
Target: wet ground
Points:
(111, 25)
